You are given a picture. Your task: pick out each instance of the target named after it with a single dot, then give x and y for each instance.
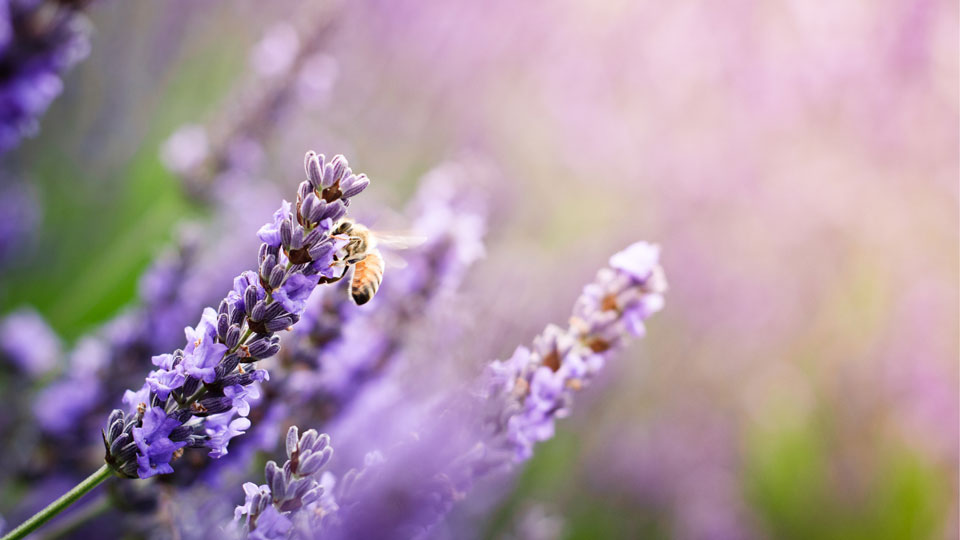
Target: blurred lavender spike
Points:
(201, 155)
(293, 502)
(514, 406)
(39, 41)
(28, 343)
(199, 395)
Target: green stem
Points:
(60, 504)
(96, 507)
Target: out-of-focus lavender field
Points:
(797, 163)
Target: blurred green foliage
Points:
(101, 225)
(799, 493)
(555, 477)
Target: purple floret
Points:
(156, 449)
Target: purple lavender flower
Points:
(28, 343)
(169, 377)
(60, 406)
(40, 41)
(515, 406)
(270, 232)
(220, 429)
(292, 504)
(202, 353)
(199, 396)
(153, 442)
(294, 293)
(562, 360)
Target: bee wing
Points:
(397, 241)
(393, 259)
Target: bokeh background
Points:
(797, 161)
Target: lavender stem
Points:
(60, 504)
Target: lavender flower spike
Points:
(515, 405)
(537, 385)
(292, 503)
(199, 395)
(39, 41)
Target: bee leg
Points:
(326, 280)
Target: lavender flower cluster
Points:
(338, 351)
(536, 385)
(39, 41)
(406, 490)
(199, 395)
(293, 503)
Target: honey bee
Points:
(363, 253)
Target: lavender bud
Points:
(115, 424)
(273, 250)
(181, 415)
(312, 237)
(296, 238)
(214, 405)
(227, 365)
(115, 433)
(118, 444)
(309, 439)
(340, 167)
(328, 178)
(274, 349)
(295, 490)
(276, 276)
(322, 442)
(223, 324)
(264, 251)
(256, 314)
(249, 298)
(181, 433)
(312, 495)
(232, 337)
(279, 324)
(224, 308)
(313, 462)
(273, 311)
(307, 205)
(243, 379)
(190, 386)
(314, 211)
(353, 185)
(321, 251)
(314, 169)
(304, 189)
(333, 211)
(258, 348)
(273, 475)
(267, 266)
(286, 231)
(291, 439)
(237, 315)
(127, 453)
